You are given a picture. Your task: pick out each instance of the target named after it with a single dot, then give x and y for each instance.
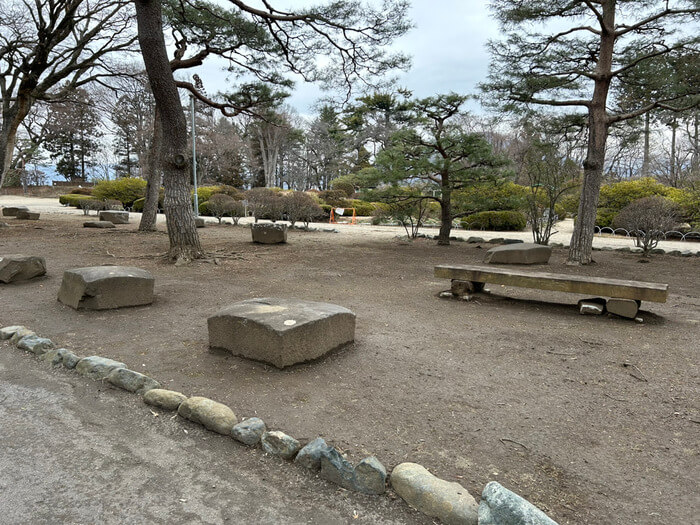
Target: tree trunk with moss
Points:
(149, 215)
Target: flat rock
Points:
(21, 267)
(500, 506)
(165, 399)
(27, 215)
(370, 476)
(132, 381)
(114, 216)
(98, 224)
(269, 233)
(19, 334)
(96, 367)
(8, 331)
(11, 211)
(310, 455)
(475, 239)
(627, 308)
(279, 444)
(105, 287)
(217, 417)
(521, 253)
(249, 431)
(281, 332)
(447, 501)
(35, 344)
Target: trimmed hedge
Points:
(81, 191)
(126, 190)
(500, 221)
(72, 199)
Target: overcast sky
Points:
(447, 46)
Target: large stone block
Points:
(11, 211)
(523, 253)
(115, 217)
(27, 215)
(104, 287)
(21, 267)
(269, 233)
(281, 332)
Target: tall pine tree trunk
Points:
(647, 153)
(184, 240)
(149, 215)
(581, 245)
(445, 214)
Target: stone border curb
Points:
(369, 476)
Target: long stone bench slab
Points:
(581, 284)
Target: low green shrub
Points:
(72, 199)
(81, 191)
(500, 221)
(137, 205)
(126, 190)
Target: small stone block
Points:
(279, 444)
(105, 287)
(115, 217)
(593, 306)
(269, 233)
(249, 431)
(460, 288)
(500, 506)
(281, 332)
(21, 267)
(447, 501)
(310, 456)
(522, 253)
(627, 308)
(11, 211)
(27, 215)
(98, 224)
(199, 222)
(132, 381)
(217, 417)
(165, 399)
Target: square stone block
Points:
(27, 215)
(11, 211)
(105, 287)
(281, 332)
(522, 253)
(115, 217)
(269, 233)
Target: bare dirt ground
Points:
(515, 386)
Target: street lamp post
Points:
(194, 159)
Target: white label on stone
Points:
(290, 322)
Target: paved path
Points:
(78, 451)
(563, 229)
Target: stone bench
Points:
(281, 332)
(115, 217)
(21, 267)
(470, 278)
(106, 287)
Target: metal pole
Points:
(194, 159)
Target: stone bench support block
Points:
(521, 253)
(269, 233)
(105, 287)
(445, 500)
(623, 307)
(115, 217)
(21, 267)
(281, 332)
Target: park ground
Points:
(593, 419)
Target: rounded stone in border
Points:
(165, 399)
(11, 211)
(21, 267)
(500, 506)
(105, 287)
(96, 367)
(249, 431)
(217, 417)
(448, 501)
(280, 444)
(114, 216)
(98, 224)
(132, 381)
(266, 233)
(281, 332)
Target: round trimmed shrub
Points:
(72, 199)
(500, 221)
(126, 190)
